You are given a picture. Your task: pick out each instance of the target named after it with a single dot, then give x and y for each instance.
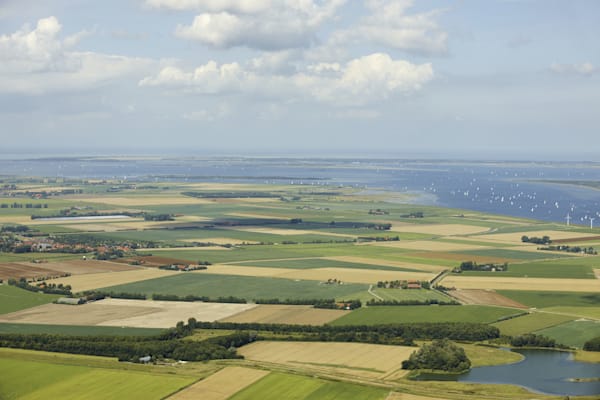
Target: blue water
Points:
(541, 371)
(501, 188)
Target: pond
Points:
(542, 371)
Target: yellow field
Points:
(516, 236)
(430, 245)
(319, 274)
(507, 283)
(286, 314)
(597, 273)
(440, 229)
(386, 263)
(144, 200)
(221, 385)
(121, 312)
(80, 283)
(354, 359)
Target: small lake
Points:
(541, 371)
(85, 218)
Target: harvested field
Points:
(386, 263)
(220, 241)
(355, 359)
(221, 385)
(158, 260)
(114, 227)
(80, 283)
(286, 314)
(440, 229)
(463, 257)
(25, 270)
(484, 297)
(429, 245)
(144, 200)
(581, 239)
(77, 267)
(515, 237)
(535, 284)
(121, 312)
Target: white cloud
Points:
(35, 61)
(585, 69)
(360, 81)
(267, 25)
(208, 115)
(391, 25)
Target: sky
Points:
(504, 79)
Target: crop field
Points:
(14, 299)
(530, 323)
(583, 312)
(430, 245)
(310, 263)
(358, 359)
(286, 314)
(502, 253)
(515, 237)
(17, 270)
(130, 313)
(574, 333)
(542, 299)
(440, 229)
(81, 283)
(402, 314)
(574, 268)
(501, 283)
(21, 270)
(76, 330)
(484, 297)
(144, 200)
(221, 385)
(32, 380)
(213, 286)
(277, 386)
(381, 262)
(410, 294)
(457, 258)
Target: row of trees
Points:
(413, 302)
(52, 288)
(536, 240)
(570, 249)
(473, 266)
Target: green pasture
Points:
(572, 268)
(75, 330)
(14, 299)
(582, 312)
(543, 299)
(410, 294)
(499, 253)
(239, 286)
(377, 315)
(33, 380)
(530, 323)
(574, 333)
(17, 257)
(277, 386)
(312, 263)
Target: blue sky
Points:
(495, 78)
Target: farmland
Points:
(286, 314)
(15, 299)
(554, 298)
(574, 333)
(221, 385)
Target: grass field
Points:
(239, 286)
(277, 386)
(31, 380)
(403, 314)
(581, 312)
(76, 330)
(14, 299)
(573, 268)
(574, 333)
(310, 263)
(530, 323)
(542, 299)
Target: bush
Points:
(592, 344)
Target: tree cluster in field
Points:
(159, 217)
(536, 240)
(570, 249)
(473, 266)
(51, 288)
(533, 340)
(206, 299)
(416, 214)
(441, 355)
(185, 268)
(170, 345)
(401, 284)
(592, 344)
(412, 302)
(14, 228)
(23, 205)
(378, 238)
(382, 334)
(378, 211)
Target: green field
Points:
(32, 380)
(574, 333)
(14, 299)
(249, 288)
(277, 386)
(582, 312)
(75, 330)
(548, 299)
(573, 267)
(377, 315)
(321, 263)
(410, 294)
(498, 253)
(530, 323)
